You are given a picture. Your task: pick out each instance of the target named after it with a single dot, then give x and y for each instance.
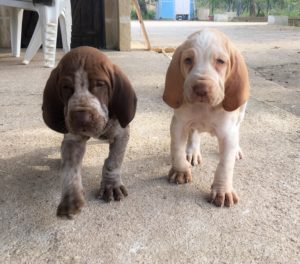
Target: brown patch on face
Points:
(86, 93)
(85, 113)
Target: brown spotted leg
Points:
(111, 186)
(72, 151)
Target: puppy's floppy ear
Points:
(123, 102)
(53, 107)
(173, 93)
(237, 83)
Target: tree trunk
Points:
(252, 8)
(229, 3)
(212, 6)
(238, 7)
(143, 6)
(268, 7)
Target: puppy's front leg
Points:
(222, 191)
(111, 185)
(180, 171)
(72, 151)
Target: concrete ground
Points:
(157, 222)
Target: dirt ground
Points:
(158, 222)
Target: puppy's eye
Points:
(188, 61)
(220, 61)
(67, 92)
(100, 84)
(99, 87)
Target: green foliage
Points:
(146, 13)
(262, 7)
(133, 14)
(149, 15)
(143, 6)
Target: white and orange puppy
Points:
(207, 85)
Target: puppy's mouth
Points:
(85, 122)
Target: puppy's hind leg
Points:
(193, 152)
(239, 154)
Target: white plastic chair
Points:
(45, 32)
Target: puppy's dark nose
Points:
(200, 89)
(81, 118)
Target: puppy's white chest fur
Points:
(205, 118)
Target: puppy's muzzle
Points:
(81, 118)
(202, 91)
(86, 122)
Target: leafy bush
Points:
(289, 8)
(133, 14)
(149, 15)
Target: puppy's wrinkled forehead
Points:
(86, 65)
(81, 80)
(209, 43)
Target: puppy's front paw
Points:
(70, 204)
(112, 191)
(180, 177)
(220, 197)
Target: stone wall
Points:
(250, 19)
(4, 27)
(117, 24)
(294, 21)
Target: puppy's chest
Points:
(203, 124)
(111, 129)
(204, 119)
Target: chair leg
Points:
(45, 32)
(65, 33)
(49, 44)
(16, 30)
(35, 43)
(65, 22)
(49, 23)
